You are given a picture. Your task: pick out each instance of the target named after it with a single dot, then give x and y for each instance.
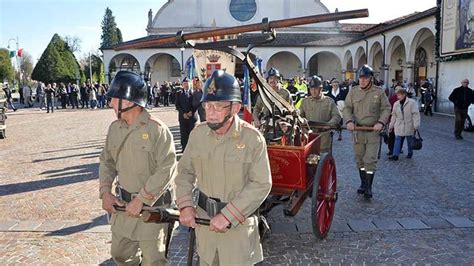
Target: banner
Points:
(457, 27)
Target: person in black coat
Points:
(187, 115)
(462, 97)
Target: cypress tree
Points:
(111, 35)
(56, 64)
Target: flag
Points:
(246, 101)
(12, 54)
(20, 52)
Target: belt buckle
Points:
(118, 192)
(211, 207)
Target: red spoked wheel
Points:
(324, 196)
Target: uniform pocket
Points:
(236, 165)
(198, 161)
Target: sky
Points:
(34, 22)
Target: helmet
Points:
(365, 71)
(273, 72)
(221, 86)
(315, 82)
(128, 86)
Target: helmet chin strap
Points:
(120, 110)
(216, 126)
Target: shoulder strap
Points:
(123, 143)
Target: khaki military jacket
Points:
(321, 110)
(145, 165)
(235, 169)
(260, 107)
(366, 107)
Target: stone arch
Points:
(397, 59)
(422, 55)
(422, 35)
(325, 64)
(348, 61)
(162, 67)
(124, 61)
(376, 59)
(360, 57)
(395, 43)
(287, 63)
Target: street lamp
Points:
(182, 61)
(16, 65)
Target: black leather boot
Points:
(370, 180)
(363, 182)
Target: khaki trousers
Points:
(125, 251)
(366, 147)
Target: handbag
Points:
(417, 141)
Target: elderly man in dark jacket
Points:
(187, 114)
(462, 97)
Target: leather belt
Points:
(126, 196)
(211, 205)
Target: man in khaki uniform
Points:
(274, 80)
(320, 108)
(366, 105)
(226, 161)
(139, 154)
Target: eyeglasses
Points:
(215, 107)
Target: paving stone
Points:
(5, 225)
(283, 228)
(412, 223)
(437, 222)
(49, 226)
(304, 227)
(460, 221)
(26, 226)
(340, 227)
(362, 225)
(387, 224)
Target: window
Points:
(175, 68)
(242, 10)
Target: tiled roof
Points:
(351, 27)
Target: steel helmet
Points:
(315, 82)
(365, 71)
(273, 72)
(128, 86)
(221, 86)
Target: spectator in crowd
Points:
(93, 96)
(429, 99)
(157, 93)
(40, 94)
(84, 95)
(165, 91)
(62, 95)
(461, 97)
(73, 96)
(187, 116)
(391, 134)
(404, 122)
(22, 98)
(101, 96)
(50, 94)
(8, 95)
(197, 95)
(338, 95)
(411, 93)
(27, 96)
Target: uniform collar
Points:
(232, 133)
(141, 121)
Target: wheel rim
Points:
(327, 196)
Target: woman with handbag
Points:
(405, 121)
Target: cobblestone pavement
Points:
(422, 211)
